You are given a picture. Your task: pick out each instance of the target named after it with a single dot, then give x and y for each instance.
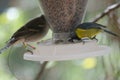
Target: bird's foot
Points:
(31, 46)
(28, 45)
(94, 38)
(82, 41)
(71, 40)
(76, 40)
(30, 51)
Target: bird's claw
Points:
(94, 38)
(70, 40)
(31, 46)
(30, 51)
(82, 41)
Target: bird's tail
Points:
(109, 32)
(8, 44)
(4, 48)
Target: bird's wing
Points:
(102, 26)
(89, 25)
(24, 31)
(32, 26)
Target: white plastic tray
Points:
(52, 52)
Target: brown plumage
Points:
(32, 31)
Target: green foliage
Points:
(22, 69)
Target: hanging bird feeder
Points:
(62, 15)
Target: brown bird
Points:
(32, 31)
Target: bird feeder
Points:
(62, 16)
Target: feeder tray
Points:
(47, 51)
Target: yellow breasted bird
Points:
(88, 30)
(32, 31)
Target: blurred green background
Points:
(15, 13)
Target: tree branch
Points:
(40, 74)
(107, 11)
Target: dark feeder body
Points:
(63, 15)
